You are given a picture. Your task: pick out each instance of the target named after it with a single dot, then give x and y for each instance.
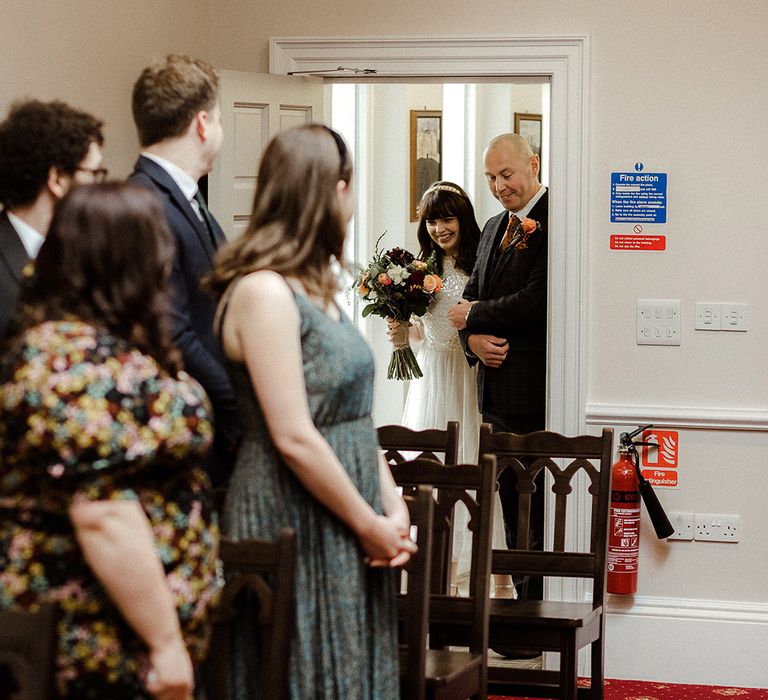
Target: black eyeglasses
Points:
(99, 174)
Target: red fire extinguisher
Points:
(624, 534)
(628, 487)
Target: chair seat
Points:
(548, 613)
(445, 666)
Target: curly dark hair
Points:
(37, 136)
(106, 261)
(169, 93)
(442, 200)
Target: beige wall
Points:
(89, 53)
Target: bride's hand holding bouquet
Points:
(397, 286)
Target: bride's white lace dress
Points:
(448, 391)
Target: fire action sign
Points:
(638, 198)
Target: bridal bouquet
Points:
(396, 285)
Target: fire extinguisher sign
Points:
(659, 464)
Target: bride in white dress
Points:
(448, 389)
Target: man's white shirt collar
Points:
(30, 237)
(530, 205)
(183, 179)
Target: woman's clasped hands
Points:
(387, 541)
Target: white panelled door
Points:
(254, 107)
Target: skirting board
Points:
(687, 641)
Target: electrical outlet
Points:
(734, 317)
(683, 524)
(707, 316)
(716, 528)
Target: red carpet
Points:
(644, 690)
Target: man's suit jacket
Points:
(193, 309)
(13, 258)
(513, 295)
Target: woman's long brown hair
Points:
(296, 228)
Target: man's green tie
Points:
(206, 216)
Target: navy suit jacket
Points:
(13, 258)
(193, 309)
(513, 295)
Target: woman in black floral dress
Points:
(103, 507)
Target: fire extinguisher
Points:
(628, 487)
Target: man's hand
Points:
(457, 315)
(491, 351)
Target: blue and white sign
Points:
(638, 197)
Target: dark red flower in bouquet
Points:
(399, 256)
(416, 280)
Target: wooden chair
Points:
(397, 439)
(413, 604)
(450, 672)
(28, 643)
(561, 626)
(266, 569)
(401, 444)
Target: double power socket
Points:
(705, 527)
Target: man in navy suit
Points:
(502, 320)
(45, 148)
(178, 118)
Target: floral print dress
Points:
(81, 412)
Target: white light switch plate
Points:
(658, 322)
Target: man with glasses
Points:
(45, 148)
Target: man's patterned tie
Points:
(514, 229)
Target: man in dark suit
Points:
(502, 320)
(178, 118)
(45, 148)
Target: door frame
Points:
(564, 60)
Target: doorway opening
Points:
(377, 119)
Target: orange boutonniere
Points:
(529, 227)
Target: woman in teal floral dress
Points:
(103, 507)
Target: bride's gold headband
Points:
(445, 188)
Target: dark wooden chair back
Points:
(440, 445)
(401, 444)
(578, 468)
(413, 599)
(450, 672)
(265, 568)
(28, 643)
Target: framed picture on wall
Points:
(529, 127)
(426, 153)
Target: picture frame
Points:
(426, 154)
(529, 127)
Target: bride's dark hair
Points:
(106, 261)
(442, 200)
(296, 226)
